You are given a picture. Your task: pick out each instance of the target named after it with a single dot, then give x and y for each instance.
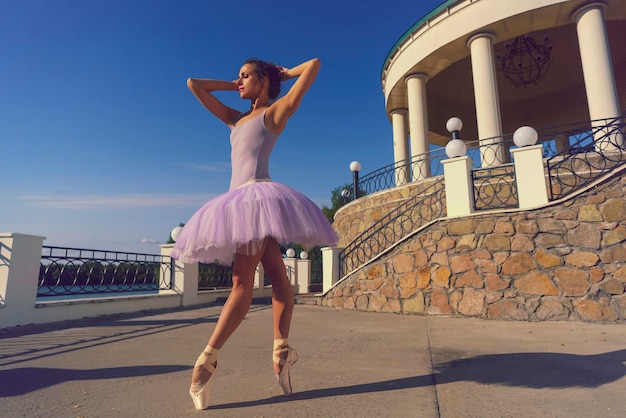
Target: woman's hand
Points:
(283, 73)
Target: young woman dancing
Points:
(245, 225)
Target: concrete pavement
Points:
(352, 364)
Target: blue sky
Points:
(104, 147)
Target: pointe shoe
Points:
(199, 392)
(284, 380)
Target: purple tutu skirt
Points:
(239, 221)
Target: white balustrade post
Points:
(532, 190)
(304, 276)
(186, 276)
(459, 186)
(259, 277)
(20, 261)
(330, 267)
(291, 264)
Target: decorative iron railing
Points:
(486, 152)
(214, 276)
(495, 187)
(404, 219)
(576, 155)
(417, 167)
(583, 153)
(77, 271)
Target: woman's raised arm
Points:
(202, 88)
(287, 105)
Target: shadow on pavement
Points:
(536, 370)
(22, 380)
(388, 385)
(530, 370)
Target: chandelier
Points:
(525, 61)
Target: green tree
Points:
(337, 201)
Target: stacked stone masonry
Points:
(562, 262)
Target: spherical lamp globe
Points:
(525, 136)
(176, 232)
(455, 148)
(355, 166)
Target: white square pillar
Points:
(259, 277)
(459, 186)
(20, 261)
(186, 276)
(304, 276)
(330, 267)
(291, 265)
(532, 190)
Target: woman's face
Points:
(250, 87)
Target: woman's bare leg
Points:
(235, 308)
(282, 292)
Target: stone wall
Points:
(563, 262)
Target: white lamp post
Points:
(290, 253)
(355, 167)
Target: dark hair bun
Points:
(268, 71)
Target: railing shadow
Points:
(22, 380)
(47, 340)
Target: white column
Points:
(595, 55)
(20, 260)
(418, 124)
(330, 267)
(186, 276)
(259, 277)
(291, 264)
(400, 145)
(304, 276)
(459, 186)
(486, 99)
(532, 190)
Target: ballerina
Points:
(245, 225)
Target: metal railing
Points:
(404, 219)
(422, 166)
(214, 276)
(586, 151)
(495, 187)
(576, 154)
(76, 271)
(389, 175)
